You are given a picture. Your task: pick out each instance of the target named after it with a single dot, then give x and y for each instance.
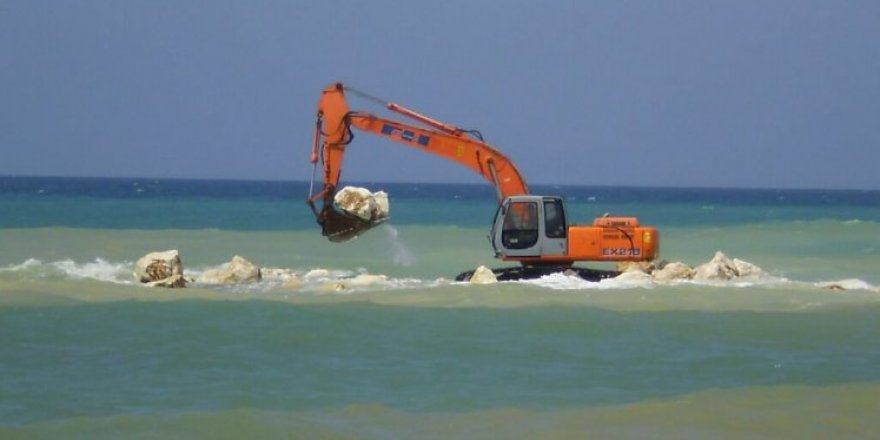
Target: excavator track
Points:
(534, 272)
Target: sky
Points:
(769, 94)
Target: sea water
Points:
(86, 352)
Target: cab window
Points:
(554, 219)
(520, 228)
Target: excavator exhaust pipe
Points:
(340, 226)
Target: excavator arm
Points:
(528, 228)
(333, 133)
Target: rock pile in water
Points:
(720, 267)
(238, 270)
(165, 269)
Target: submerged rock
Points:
(160, 269)
(483, 275)
(362, 280)
(292, 283)
(744, 269)
(636, 266)
(238, 270)
(635, 276)
(276, 273)
(366, 279)
(174, 281)
(370, 206)
(287, 277)
(317, 273)
(674, 271)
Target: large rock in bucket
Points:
(354, 211)
(160, 269)
(361, 202)
(239, 270)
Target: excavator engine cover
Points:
(340, 226)
(613, 239)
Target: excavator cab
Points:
(530, 226)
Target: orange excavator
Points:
(530, 229)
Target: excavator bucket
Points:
(340, 226)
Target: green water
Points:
(87, 353)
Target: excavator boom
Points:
(333, 133)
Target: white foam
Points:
(639, 280)
(560, 281)
(98, 269)
(846, 284)
(30, 263)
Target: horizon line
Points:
(541, 184)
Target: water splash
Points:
(400, 252)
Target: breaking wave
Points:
(97, 269)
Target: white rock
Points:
(365, 279)
(332, 287)
(362, 280)
(483, 275)
(277, 273)
(748, 270)
(370, 206)
(719, 268)
(634, 276)
(317, 273)
(287, 277)
(239, 270)
(173, 281)
(674, 271)
(635, 266)
(291, 283)
(160, 266)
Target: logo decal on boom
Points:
(405, 135)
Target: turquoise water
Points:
(85, 352)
